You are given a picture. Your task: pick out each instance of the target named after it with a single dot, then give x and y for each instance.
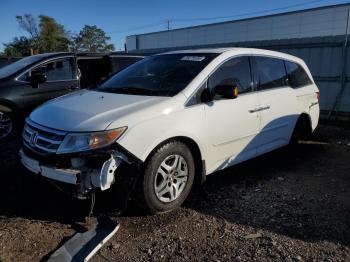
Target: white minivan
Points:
(169, 120)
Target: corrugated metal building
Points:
(316, 35)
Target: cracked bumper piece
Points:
(82, 246)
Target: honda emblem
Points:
(33, 138)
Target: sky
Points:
(128, 17)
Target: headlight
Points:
(77, 142)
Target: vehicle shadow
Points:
(293, 191)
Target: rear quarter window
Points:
(297, 77)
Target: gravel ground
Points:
(291, 205)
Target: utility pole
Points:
(168, 24)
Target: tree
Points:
(28, 23)
(47, 36)
(50, 36)
(53, 36)
(91, 39)
(20, 46)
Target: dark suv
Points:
(33, 80)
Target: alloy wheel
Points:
(171, 178)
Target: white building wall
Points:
(329, 21)
(131, 42)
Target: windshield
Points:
(160, 75)
(18, 65)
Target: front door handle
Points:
(254, 110)
(260, 108)
(267, 107)
(73, 87)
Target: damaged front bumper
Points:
(79, 174)
(69, 176)
(85, 173)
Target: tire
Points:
(165, 185)
(8, 125)
(302, 130)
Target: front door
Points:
(232, 123)
(61, 78)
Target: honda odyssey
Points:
(167, 121)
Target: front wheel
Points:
(7, 125)
(168, 178)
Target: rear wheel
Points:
(7, 125)
(168, 178)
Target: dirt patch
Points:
(289, 205)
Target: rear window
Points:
(271, 72)
(297, 77)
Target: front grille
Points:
(41, 139)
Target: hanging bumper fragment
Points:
(82, 246)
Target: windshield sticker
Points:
(193, 58)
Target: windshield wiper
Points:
(131, 90)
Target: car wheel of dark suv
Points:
(7, 125)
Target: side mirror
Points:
(225, 91)
(37, 78)
(78, 73)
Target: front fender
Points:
(189, 122)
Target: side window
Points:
(58, 70)
(271, 72)
(296, 75)
(234, 71)
(24, 77)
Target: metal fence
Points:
(323, 21)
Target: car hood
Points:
(89, 110)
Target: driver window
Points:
(235, 71)
(58, 70)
